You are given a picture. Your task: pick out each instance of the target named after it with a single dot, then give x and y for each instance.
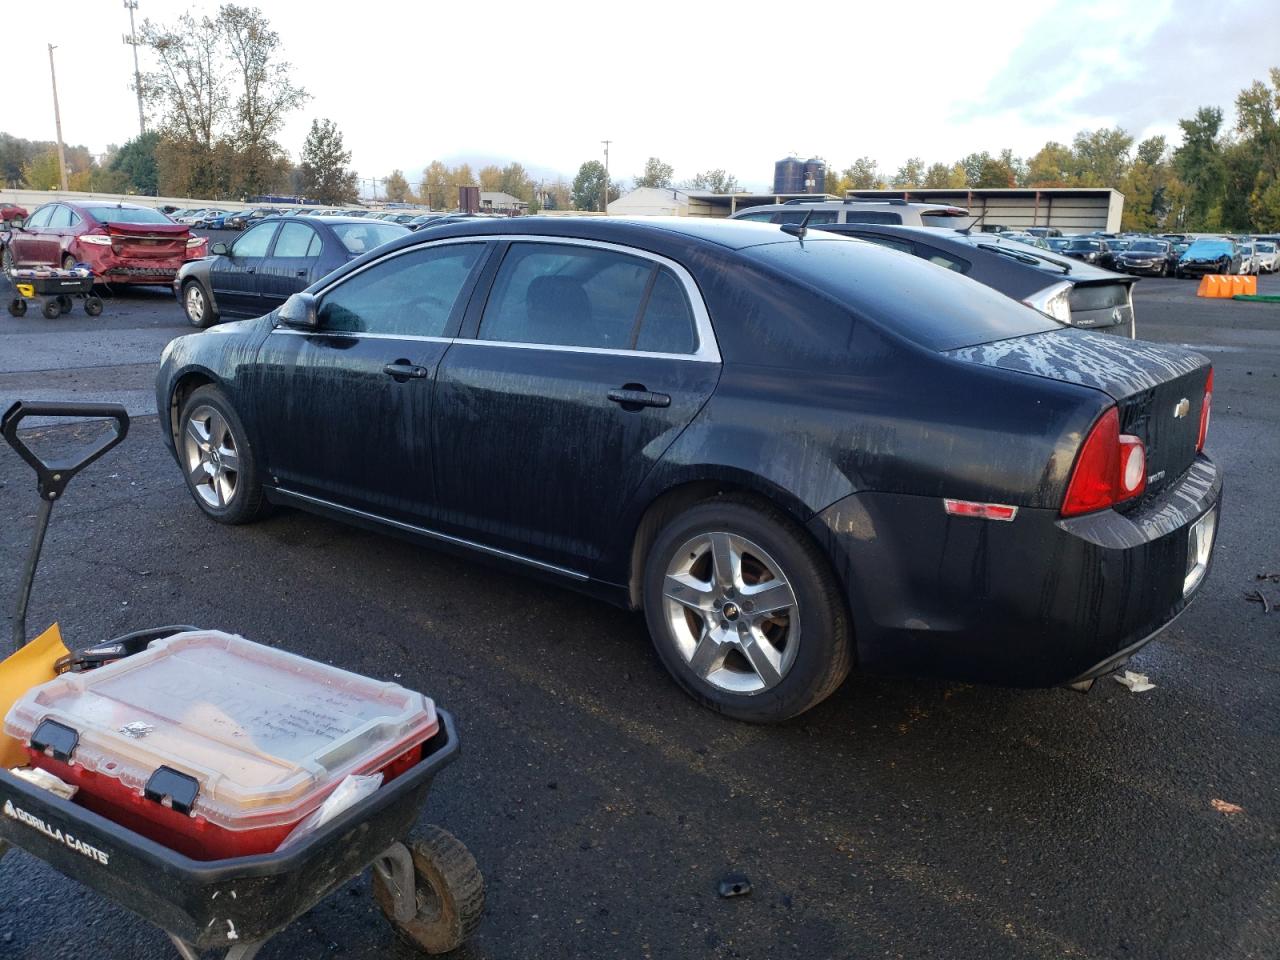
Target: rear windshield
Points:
(127, 215)
(363, 237)
(928, 304)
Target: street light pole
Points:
(132, 40)
(604, 204)
(57, 119)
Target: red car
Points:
(120, 242)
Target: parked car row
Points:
(793, 451)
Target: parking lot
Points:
(898, 819)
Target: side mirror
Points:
(300, 310)
(18, 223)
(221, 249)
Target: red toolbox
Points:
(216, 746)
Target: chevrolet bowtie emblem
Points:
(1181, 408)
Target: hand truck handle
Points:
(52, 476)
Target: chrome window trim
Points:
(708, 350)
(433, 534)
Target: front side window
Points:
(573, 296)
(40, 218)
(412, 294)
(297, 240)
(255, 242)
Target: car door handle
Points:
(403, 370)
(249, 270)
(635, 397)
(302, 273)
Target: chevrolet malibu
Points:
(794, 455)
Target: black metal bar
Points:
(29, 575)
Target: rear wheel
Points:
(93, 305)
(745, 612)
(51, 309)
(68, 262)
(17, 307)
(447, 894)
(220, 466)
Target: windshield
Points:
(363, 237)
(1084, 245)
(1209, 248)
(1148, 246)
(1266, 248)
(929, 305)
(127, 215)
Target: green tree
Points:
(41, 173)
(325, 174)
(940, 176)
(973, 165)
(656, 174)
(437, 187)
(590, 186)
(397, 188)
(490, 178)
(1198, 163)
(863, 174)
(714, 181)
(1101, 157)
(136, 160)
(910, 174)
(1051, 166)
(516, 181)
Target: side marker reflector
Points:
(983, 511)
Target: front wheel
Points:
(51, 309)
(220, 466)
(196, 304)
(745, 612)
(446, 895)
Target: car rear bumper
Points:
(110, 267)
(1038, 601)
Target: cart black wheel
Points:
(221, 467)
(51, 309)
(65, 303)
(449, 890)
(17, 307)
(93, 306)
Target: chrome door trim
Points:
(433, 534)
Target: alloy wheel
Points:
(194, 302)
(211, 456)
(732, 612)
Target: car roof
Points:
(732, 234)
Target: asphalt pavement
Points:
(900, 818)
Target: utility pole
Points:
(132, 40)
(57, 119)
(604, 204)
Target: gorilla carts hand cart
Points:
(429, 888)
(54, 289)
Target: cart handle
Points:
(52, 476)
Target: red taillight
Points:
(1204, 411)
(1111, 468)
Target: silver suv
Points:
(859, 210)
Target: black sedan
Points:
(793, 454)
(1091, 250)
(1076, 293)
(1152, 258)
(270, 262)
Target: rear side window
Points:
(871, 216)
(936, 309)
(297, 240)
(412, 294)
(61, 217)
(667, 325)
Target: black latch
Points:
(55, 739)
(180, 789)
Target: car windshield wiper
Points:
(1035, 259)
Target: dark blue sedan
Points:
(270, 262)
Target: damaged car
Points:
(794, 453)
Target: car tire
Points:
(68, 262)
(197, 305)
(218, 463)
(728, 653)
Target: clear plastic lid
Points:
(266, 734)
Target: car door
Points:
(34, 244)
(344, 411)
(581, 366)
(291, 266)
(233, 276)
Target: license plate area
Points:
(1199, 547)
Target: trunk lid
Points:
(1148, 381)
(148, 241)
(1104, 305)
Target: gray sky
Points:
(700, 85)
